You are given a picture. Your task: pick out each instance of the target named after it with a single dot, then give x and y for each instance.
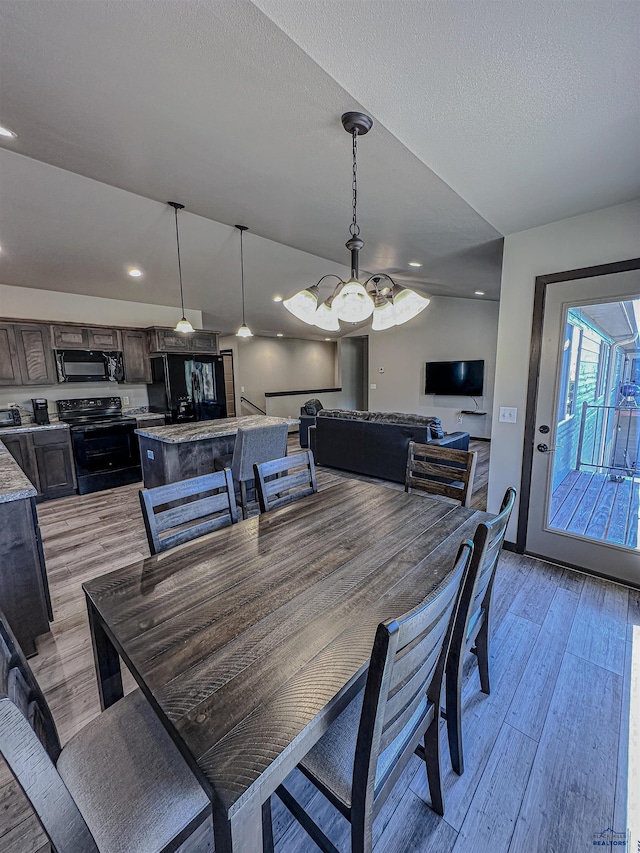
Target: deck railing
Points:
(609, 439)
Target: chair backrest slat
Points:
(488, 541)
(255, 445)
(282, 481)
(404, 680)
(210, 498)
(440, 470)
(29, 744)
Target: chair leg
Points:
(243, 498)
(482, 653)
(267, 828)
(453, 694)
(432, 760)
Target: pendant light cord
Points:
(242, 275)
(175, 209)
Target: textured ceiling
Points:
(524, 113)
(529, 110)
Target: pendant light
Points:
(354, 301)
(183, 325)
(244, 331)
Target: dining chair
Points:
(471, 629)
(440, 471)
(119, 785)
(182, 511)
(359, 759)
(299, 480)
(254, 445)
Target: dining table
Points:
(248, 642)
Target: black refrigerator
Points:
(187, 387)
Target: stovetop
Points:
(93, 411)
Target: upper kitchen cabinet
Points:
(81, 337)
(168, 340)
(35, 354)
(137, 365)
(9, 364)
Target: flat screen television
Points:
(455, 378)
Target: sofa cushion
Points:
(311, 407)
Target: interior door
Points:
(585, 478)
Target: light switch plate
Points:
(373, 386)
(508, 415)
(125, 401)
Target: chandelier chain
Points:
(354, 228)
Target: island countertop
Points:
(14, 484)
(203, 430)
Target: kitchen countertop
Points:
(14, 484)
(202, 430)
(11, 430)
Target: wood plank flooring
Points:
(548, 755)
(592, 505)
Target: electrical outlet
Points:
(125, 401)
(242, 389)
(150, 454)
(508, 415)
(373, 386)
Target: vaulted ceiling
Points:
(490, 117)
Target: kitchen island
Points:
(180, 451)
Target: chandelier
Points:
(354, 301)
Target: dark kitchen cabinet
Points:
(168, 340)
(70, 337)
(24, 590)
(9, 364)
(20, 446)
(35, 354)
(137, 365)
(104, 339)
(54, 459)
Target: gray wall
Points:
(447, 330)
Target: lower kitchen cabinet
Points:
(46, 457)
(24, 590)
(54, 459)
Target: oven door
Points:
(104, 447)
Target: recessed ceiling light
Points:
(327, 339)
(279, 335)
(4, 131)
(134, 272)
(479, 292)
(277, 298)
(414, 264)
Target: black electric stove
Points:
(105, 447)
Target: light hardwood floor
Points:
(546, 754)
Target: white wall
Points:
(601, 237)
(447, 330)
(26, 303)
(279, 364)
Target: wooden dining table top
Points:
(249, 641)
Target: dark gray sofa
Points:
(375, 443)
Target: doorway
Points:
(582, 438)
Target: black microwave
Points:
(76, 365)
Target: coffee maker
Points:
(40, 411)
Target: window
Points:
(603, 369)
(570, 363)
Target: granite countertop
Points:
(147, 416)
(14, 484)
(11, 430)
(201, 430)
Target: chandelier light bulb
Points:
(326, 317)
(303, 304)
(353, 303)
(407, 305)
